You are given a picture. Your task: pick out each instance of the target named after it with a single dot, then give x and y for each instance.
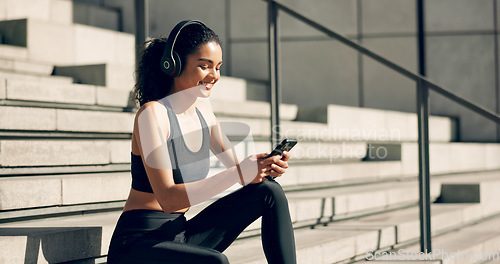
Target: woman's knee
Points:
(271, 186)
(272, 190)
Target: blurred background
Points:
(461, 47)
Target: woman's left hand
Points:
(279, 167)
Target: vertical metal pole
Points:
(361, 95)
(228, 48)
(141, 26)
(273, 42)
(423, 166)
(497, 70)
(423, 139)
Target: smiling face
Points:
(201, 71)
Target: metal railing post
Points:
(141, 26)
(273, 42)
(497, 65)
(423, 167)
(423, 138)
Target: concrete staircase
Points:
(65, 153)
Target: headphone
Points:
(170, 61)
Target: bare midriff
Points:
(143, 200)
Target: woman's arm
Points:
(153, 128)
(222, 148)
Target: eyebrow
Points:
(207, 60)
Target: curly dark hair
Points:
(151, 83)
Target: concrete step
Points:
(391, 228)
(320, 245)
(354, 131)
(400, 261)
(355, 239)
(100, 74)
(91, 94)
(13, 52)
(317, 204)
(355, 123)
(57, 11)
(338, 241)
(306, 151)
(452, 157)
(456, 157)
(71, 169)
(76, 45)
(65, 93)
(25, 153)
(323, 205)
(52, 79)
(43, 152)
(324, 174)
(70, 120)
(488, 185)
(24, 192)
(230, 89)
(335, 242)
(252, 109)
(67, 189)
(52, 119)
(66, 120)
(56, 240)
(24, 66)
(309, 207)
(477, 243)
(444, 158)
(61, 120)
(288, 129)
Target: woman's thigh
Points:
(155, 251)
(219, 224)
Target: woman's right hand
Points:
(256, 167)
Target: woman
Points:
(173, 132)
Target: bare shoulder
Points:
(151, 106)
(150, 112)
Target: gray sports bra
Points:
(188, 166)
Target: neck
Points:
(181, 102)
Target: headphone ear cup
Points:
(167, 66)
(178, 65)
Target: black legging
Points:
(147, 236)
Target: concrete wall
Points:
(317, 71)
(461, 51)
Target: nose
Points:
(214, 75)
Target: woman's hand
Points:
(255, 168)
(279, 167)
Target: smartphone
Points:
(286, 144)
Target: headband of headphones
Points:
(170, 61)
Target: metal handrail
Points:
(414, 76)
(423, 85)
